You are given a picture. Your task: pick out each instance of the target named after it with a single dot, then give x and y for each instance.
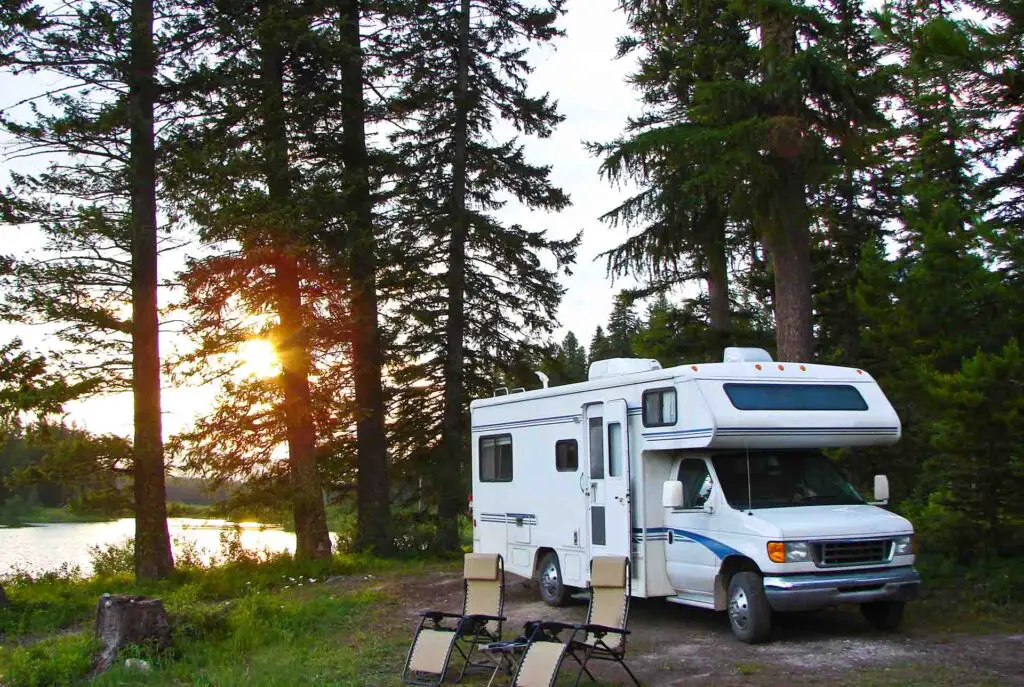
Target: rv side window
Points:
(496, 458)
(659, 407)
(614, 449)
(567, 456)
(795, 397)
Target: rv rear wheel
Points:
(749, 613)
(883, 615)
(552, 590)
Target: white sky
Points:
(580, 72)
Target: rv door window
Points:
(693, 473)
(496, 458)
(614, 449)
(596, 448)
(659, 407)
(567, 457)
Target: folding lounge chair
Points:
(439, 633)
(601, 638)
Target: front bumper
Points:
(819, 590)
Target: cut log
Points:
(122, 620)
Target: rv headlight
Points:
(789, 551)
(797, 552)
(904, 545)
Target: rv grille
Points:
(837, 553)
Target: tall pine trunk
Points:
(449, 480)
(784, 226)
(717, 271)
(152, 542)
(373, 499)
(312, 539)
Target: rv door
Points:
(608, 463)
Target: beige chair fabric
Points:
(608, 571)
(608, 597)
(431, 651)
(539, 664)
(483, 597)
(481, 566)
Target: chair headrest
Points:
(481, 566)
(608, 571)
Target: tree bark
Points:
(152, 542)
(124, 620)
(373, 495)
(784, 221)
(449, 470)
(717, 272)
(312, 539)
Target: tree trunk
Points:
(449, 470)
(312, 540)
(717, 272)
(373, 497)
(152, 542)
(4, 601)
(124, 620)
(784, 221)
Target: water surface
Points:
(46, 547)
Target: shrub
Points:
(113, 559)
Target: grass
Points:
(277, 622)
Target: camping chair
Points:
(601, 638)
(439, 633)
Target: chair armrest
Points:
(438, 615)
(604, 629)
(484, 616)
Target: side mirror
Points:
(672, 494)
(881, 489)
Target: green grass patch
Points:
(41, 515)
(268, 622)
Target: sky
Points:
(581, 73)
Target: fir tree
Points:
(98, 213)
(477, 295)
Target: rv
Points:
(709, 477)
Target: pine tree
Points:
(241, 172)
(98, 215)
(476, 296)
(599, 346)
(623, 325)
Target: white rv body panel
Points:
(531, 498)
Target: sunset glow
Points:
(259, 359)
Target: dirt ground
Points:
(679, 645)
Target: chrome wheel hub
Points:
(739, 609)
(549, 581)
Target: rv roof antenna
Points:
(544, 379)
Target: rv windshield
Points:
(779, 479)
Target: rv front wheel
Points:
(552, 590)
(749, 613)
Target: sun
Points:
(259, 359)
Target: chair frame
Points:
(579, 649)
(470, 631)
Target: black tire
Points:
(750, 616)
(549, 574)
(883, 615)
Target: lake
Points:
(46, 547)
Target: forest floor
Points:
(350, 621)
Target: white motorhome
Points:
(710, 477)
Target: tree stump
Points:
(123, 620)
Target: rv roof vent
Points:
(614, 367)
(734, 354)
